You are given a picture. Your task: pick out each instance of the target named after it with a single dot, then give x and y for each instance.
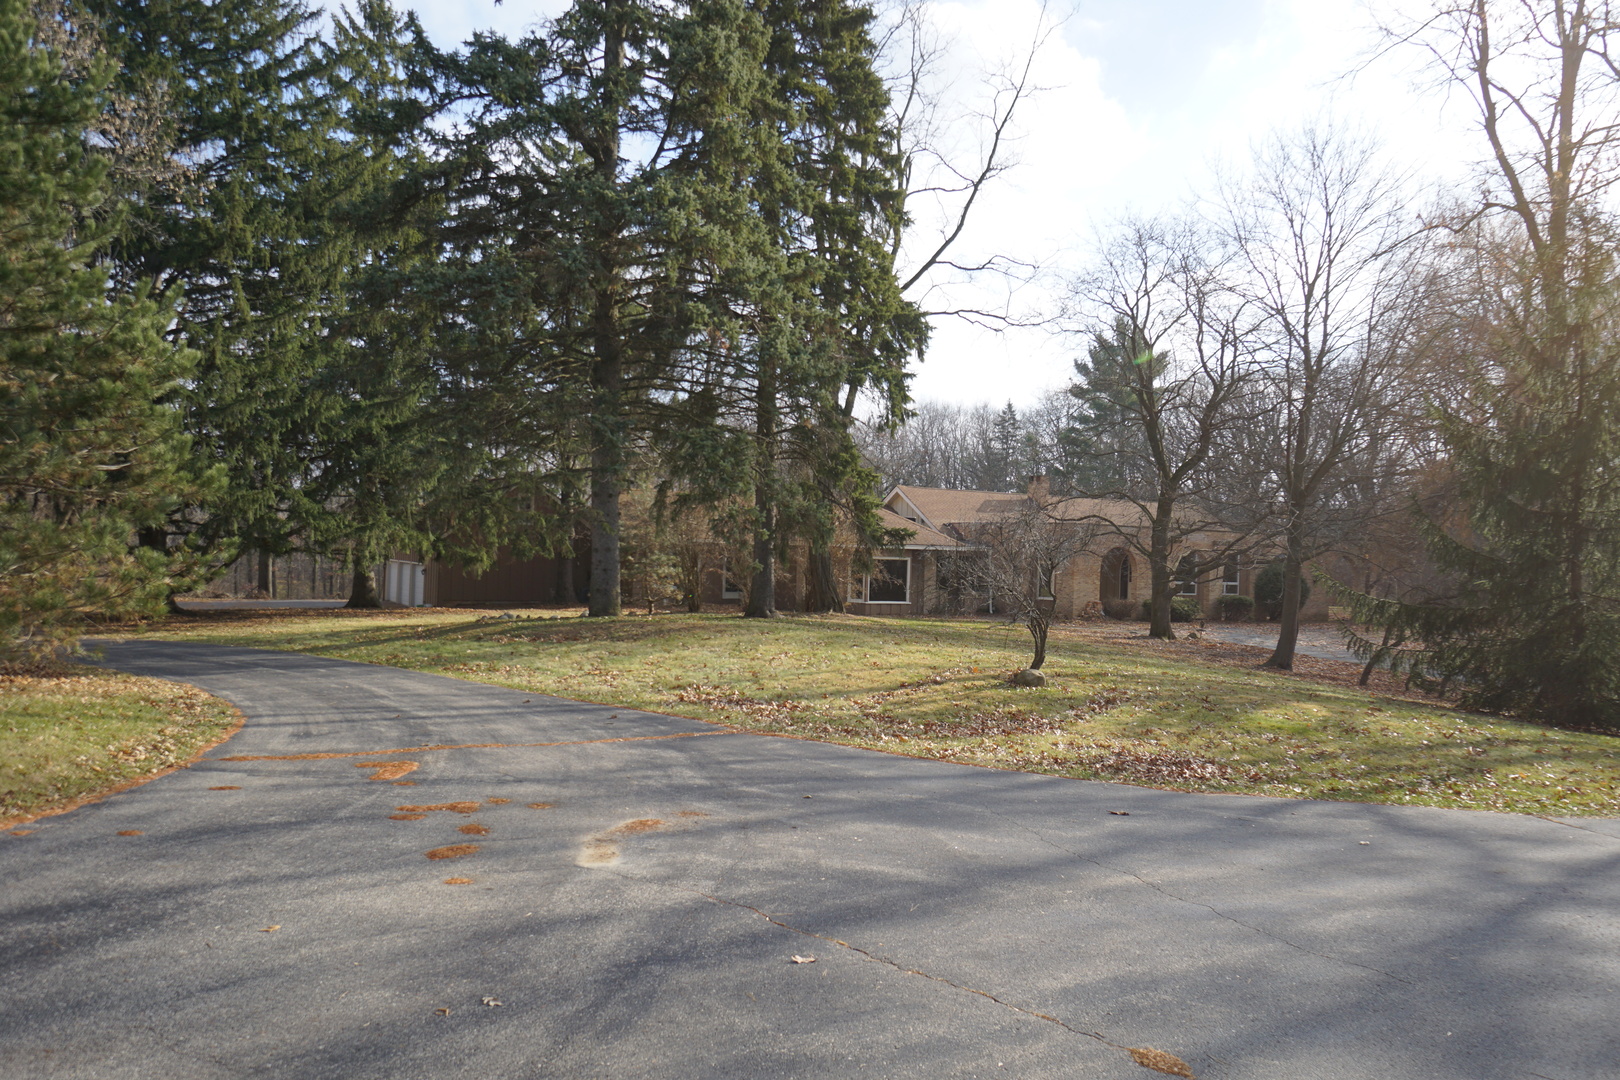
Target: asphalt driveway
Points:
(641, 885)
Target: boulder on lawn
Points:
(1028, 677)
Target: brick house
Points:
(915, 579)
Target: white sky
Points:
(1142, 97)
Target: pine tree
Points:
(1099, 443)
(244, 238)
(88, 453)
(826, 187)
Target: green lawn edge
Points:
(938, 689)
(74, 734)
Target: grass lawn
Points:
(70, 734)
(1187, 715)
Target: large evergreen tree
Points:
(88, 453)
(1526, 339)
(827, 188)
(244, 236)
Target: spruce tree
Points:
(88, 453)
(243, 237)
(825, 186)
(1524, 338)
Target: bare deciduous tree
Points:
(1173, 362)
(1022, 551)
(1324, 252)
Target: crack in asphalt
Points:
(1161, 890)
(874, 958)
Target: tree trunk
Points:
(762, 596)
(563, 591)
(1038, 626)
(821, 592)
(363, 590)
(607, 422)
(266, 582)
(1282, 658)
(1159, 579)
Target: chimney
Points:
(1040, 488)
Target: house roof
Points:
(923, 537)
(939, 507)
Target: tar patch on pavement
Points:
(453, 851)
(474, 829)
(387, 770)
(1158, 1060)
(452, 807)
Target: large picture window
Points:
(889, 582)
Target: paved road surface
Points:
(964, 922)
(1322, 641)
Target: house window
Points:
(1229, 578)
(1187, 576)
(889, 582)
(729, 589)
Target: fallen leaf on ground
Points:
(1120, 813)
(387, 770)
(458, 881)
(130, 832)
(442, 1012)
(797, 959)
(1149, 1058)
(491, 1002)
(225, 787)
(453, 851)
(270, 929)
(453, 807)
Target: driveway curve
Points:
(644, 896)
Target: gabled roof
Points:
(923, 538)
(941, 507)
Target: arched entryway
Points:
(1115, 577)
